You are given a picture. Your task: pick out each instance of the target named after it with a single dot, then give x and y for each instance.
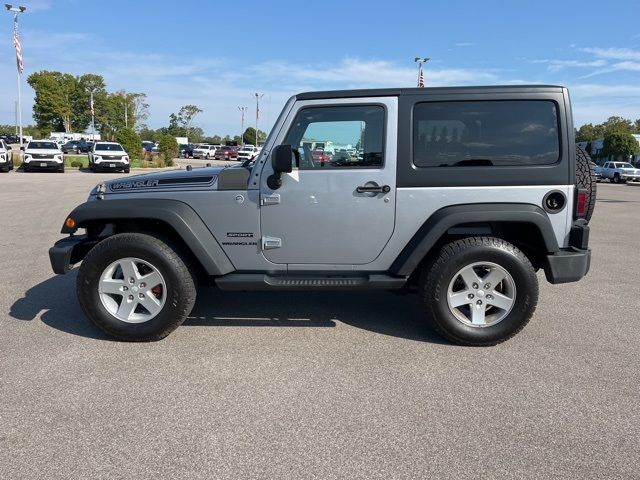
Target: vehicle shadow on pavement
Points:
(379, 312)
(56, 299)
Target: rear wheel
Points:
(135, 287)
(479, 291)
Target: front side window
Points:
(485, 133)
(339, 137)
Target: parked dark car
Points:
(75, 146)
(147, 146)
(12, 139)
(186, 150)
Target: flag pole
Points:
(19, 64)
(19, 98)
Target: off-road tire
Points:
(438, 273)
(586, 179)
(180, 282)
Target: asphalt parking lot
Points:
(314, 385)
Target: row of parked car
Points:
(219, 152)
(48, 155)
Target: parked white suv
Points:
(42, 154)
(248, 152)
(6, 158)
(108, 156)
(204, 151)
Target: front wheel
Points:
(135, 287)
(479, 291)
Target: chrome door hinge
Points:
(272, 199)
(269, 243)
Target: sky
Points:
(217, 54)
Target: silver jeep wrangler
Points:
(458, 194)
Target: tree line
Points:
(62, 103)
(617, 134)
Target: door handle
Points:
(373, 189)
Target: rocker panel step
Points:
(260, 281)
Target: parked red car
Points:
(320, 156)
(226, 153)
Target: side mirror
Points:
(281, 163)
(281, 159)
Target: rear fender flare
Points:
(442, 220)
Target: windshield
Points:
(110, 147)
(42, 146)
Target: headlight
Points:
(97, 157)
(58, 158)
(27, 157)
(125, 159)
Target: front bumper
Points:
(107, 165)
(632, 177)
(44, 164)
(67, 252)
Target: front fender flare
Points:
(180, 216)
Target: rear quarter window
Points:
(485, 133)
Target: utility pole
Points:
(93, 119)
(420, 61)
(242, 110)
(258, 97)
(16, 10)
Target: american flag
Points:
(16, 43)
(421, 79)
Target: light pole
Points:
(420, 61)
(93, 114)
(258, 97)
(16, 10)
(242, 110)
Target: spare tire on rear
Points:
(586, 179)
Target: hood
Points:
(168, 180)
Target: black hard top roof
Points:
(394, 92)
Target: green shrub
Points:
(168, 148)
(76, 163)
